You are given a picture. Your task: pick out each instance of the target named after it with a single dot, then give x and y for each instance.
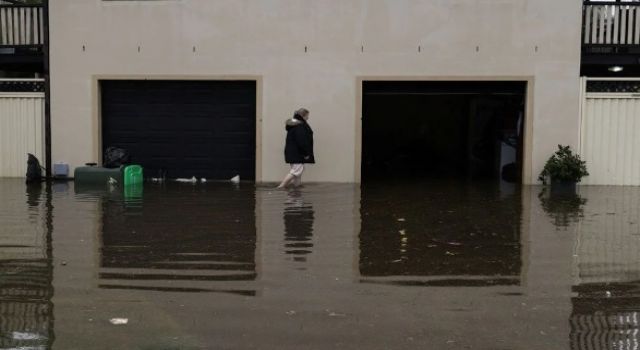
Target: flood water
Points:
(421, 265)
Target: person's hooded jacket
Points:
(299, 146)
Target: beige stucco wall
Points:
(266, 39)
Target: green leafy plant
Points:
(564, 166)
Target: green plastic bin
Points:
(133, 175)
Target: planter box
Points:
(563, 188)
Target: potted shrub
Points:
(563, 170)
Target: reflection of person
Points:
(298, 149)
(298, 226)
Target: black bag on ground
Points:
(34, 170)
(115, 157)
(510, 173)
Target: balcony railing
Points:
(611, 27)
(21, 25)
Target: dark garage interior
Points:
(182, 129)
(443, 129)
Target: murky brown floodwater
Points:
(414, 266)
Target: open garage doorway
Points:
(470, 130)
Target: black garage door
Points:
(186, 128)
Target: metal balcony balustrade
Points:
(22, 29)
(611, 27)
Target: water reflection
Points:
(606, 316)
(26, 272)
(563, 209)
(34, 197)
(180, 238)
(606, 302)
(581, 289)
(440, 235)
(298, 226)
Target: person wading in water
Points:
(298, 149)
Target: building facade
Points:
(292, 53)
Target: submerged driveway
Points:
(430, 265)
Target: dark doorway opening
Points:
(443, 129)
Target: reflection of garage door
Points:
(188, 128)
(609, 138)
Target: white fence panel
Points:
(610, 143)
(21, 131)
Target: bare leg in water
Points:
(287, 180)
(297, 182)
